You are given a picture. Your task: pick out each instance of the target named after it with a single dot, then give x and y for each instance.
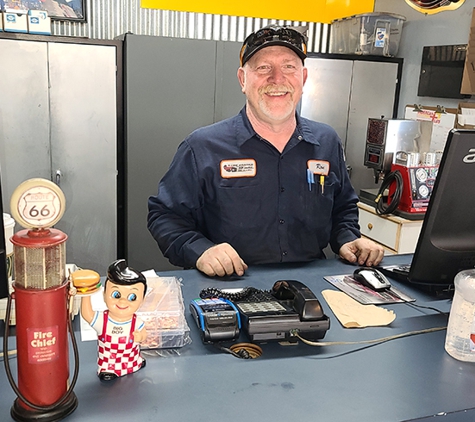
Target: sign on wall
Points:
(323, 11)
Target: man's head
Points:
(272, 74)
(284, 36)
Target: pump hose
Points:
(380, 207)
(9, 374)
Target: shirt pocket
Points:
(319, 201)
(240, 202)
(238, 183)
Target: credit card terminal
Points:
(217, 318)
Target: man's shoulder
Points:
(219, 127)
(318, 133)
(316, 127)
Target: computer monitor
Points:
(3, 253)
(446, 243)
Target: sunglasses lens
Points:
(265, 35)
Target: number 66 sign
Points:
(37, 203)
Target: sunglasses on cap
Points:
(274, 35)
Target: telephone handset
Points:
(303, 300)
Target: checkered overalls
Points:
(118, 354)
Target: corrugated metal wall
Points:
(107, 19)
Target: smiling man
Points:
(265, 186)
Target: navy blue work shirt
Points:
(227, 184)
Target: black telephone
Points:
(290, 307)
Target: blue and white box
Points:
(39, 22)
(15, 20)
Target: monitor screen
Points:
(446, 243)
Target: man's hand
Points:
(221, 260)
(362, 252)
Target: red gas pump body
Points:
(41, 294)
(42, 343)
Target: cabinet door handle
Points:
(370, 226)
(58, 177)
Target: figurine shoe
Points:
(107, 376)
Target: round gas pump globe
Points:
(37, 203)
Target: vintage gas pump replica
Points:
(41, 294)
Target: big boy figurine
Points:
(119, 330)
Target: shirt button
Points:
(282, 189)
(281, 221)
(300, 138)
(284, 253)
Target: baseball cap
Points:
(285, 36)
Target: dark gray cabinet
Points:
(58, 120)
(172, 87)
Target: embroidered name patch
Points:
(238, 168)
(320, 167)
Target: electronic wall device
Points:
(217, 318)
(446, 244)
(289, 307)
(441, 71)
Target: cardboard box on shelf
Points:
(15, 20)
(39, 22)
(465, 116)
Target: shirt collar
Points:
(303, 129)
(245, 131)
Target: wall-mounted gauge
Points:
(421, 174)
(424, 191)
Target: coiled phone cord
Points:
(211, 292)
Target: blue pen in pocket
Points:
(310, 179)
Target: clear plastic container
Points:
(377, 34)
(460, 338)
(163, 313)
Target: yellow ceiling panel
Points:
(323, 11)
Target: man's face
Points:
(123, 301)
(272, 80)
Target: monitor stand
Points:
(438, 292)
(402, 275)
